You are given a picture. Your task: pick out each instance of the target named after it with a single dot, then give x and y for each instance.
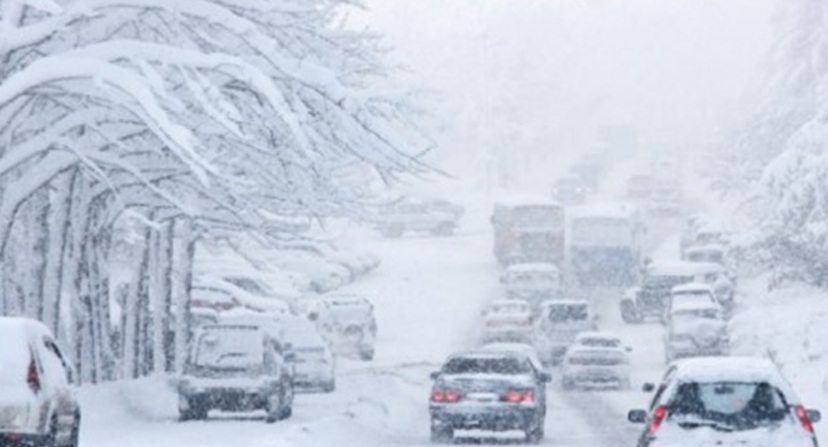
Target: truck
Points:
(528, 230)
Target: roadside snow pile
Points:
(790, 326)
(151, 398)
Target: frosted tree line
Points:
(779, 161)
(160, 122)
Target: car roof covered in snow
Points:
(302, 333)
(615, 210)
(691, 304)
(733, 369)
(692, 287)
(682, 268)
(344, 299)
(527, 267)
(564, 302)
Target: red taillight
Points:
(32, 376)
(445, 396)
(802, 415)
(517, 397)
(658, 418)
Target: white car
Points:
(725, 401)
(508, 320)
(695, 327)
(532, 281)
(595, 366)
(314, 358)
(558, 324)
(348, 322)
(37, 403)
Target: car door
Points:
(58, 374)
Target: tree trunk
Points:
(181, 285)
(59, 232)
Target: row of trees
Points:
(151, 124)
(780, 161)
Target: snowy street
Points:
(428, 296)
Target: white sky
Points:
(538, 78)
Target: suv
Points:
(438, 217)
(234, 367)
(558, 324)
(695, 327)
(38, 404)
(488, 390)
(348, 323)
(725, 401)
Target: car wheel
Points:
(287, 404)
(273, 408)
(535, 434)
(366, 355)
(51, 437)
(442, 435)
(329, 386)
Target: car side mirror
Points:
(545, 377)
(435, 375)
(814, 415)
(637, 416)
(648, 387)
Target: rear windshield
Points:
(597, 360)
(504, 365)
(598, 342)
(736, 405)
(568, 312)
(229, 349)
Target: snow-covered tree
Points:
(178, 115)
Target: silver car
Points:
(38, 406)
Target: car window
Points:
(487, 365)
(53, 364)
(738, 404)
(563, 313)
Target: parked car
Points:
(588, 365)
(558, 324)
(725, 401)
(235, 368)
(486, 390)
(508, 320)
(348, 322)
(315, 360)
(695, 327)
(437, 217)
(532, 281)
(651, 297)
(38, 405)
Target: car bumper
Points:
(597, 377)
(22, 439)
(489, 418)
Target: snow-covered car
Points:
(437, 217)
(586, 365)
(224, 295)
(487, 390)
(507, 320)
(558, 324)
(651, 298)
(274, 326)
(235, 368)
(38, 406)
(639, 186)
(695, 327)
(532, 281)
(691, 294)
(315, 364)
(569, 190)
(348, 322)
(725, 401)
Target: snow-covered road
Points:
(428, 296)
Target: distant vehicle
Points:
(558, 324)
(691, 293)
(704, 234)
(508, 320)
(639, 186)
(348, 322)
(605, 243)
(595, 366)
(38, 405)
(666, 197)
(528, 231)
(589, 172)
(724, 401)
(651, 297)
(235, 368)
(569, 191)
(533, 282)
(706, 253)
(273, 325)
(695, 327)
(437, 217)
(315, 360)
(486, 390)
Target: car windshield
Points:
(741, 405)
(487, 365)
(568, 312)
(229, 349)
